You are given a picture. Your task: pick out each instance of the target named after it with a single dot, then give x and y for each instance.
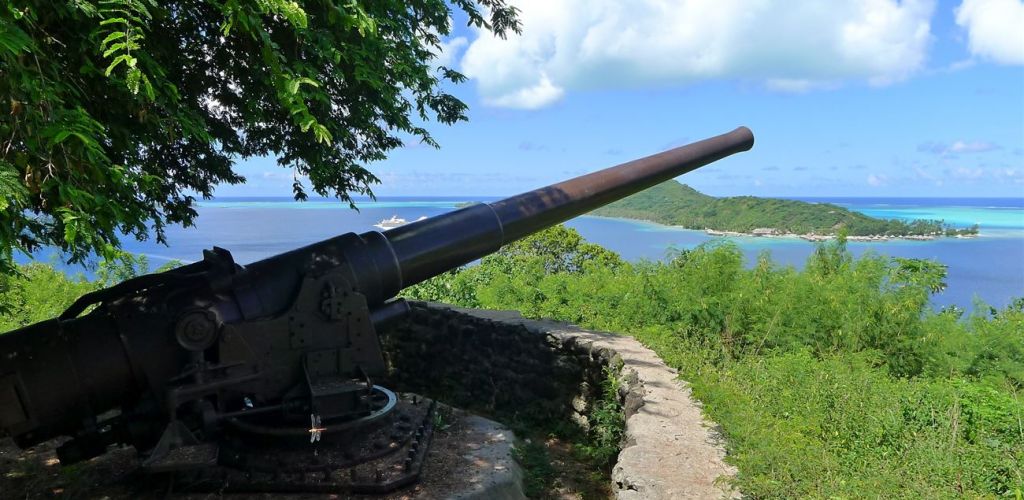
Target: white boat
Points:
(394, 222)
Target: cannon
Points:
(198, 366)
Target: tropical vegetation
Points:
(676, 204)
(40, 291)
(835, 381)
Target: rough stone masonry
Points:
(515, 368)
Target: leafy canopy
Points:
(118, 112)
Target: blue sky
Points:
(845, 98)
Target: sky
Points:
(865, 98)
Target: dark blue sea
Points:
(989, 268)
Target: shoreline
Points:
(811, 237)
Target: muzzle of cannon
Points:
(282, 352)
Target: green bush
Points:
(38, 292)
(603, 440)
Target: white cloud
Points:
(448, 53)
(533, 97)
(282, 175)
(1002, 175)
(960, 65)
(417, 181)
(971, 147)
(798, 85)
(958, 147)
(923, 174)
(878, 180)
(995, 29)
(1014, 175)
(791, 45)
(964, 173)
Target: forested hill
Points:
(676, 204)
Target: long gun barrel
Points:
(415, 252)
(223, 341)
(432, 246)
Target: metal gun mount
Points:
(249, 367)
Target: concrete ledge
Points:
(670, 451)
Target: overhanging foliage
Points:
(117, 113)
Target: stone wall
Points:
(500, 369)
(518, 371)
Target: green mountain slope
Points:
(677, 204)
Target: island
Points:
(675, 204)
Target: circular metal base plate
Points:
(381, 402)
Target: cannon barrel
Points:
(427, 248)
(131, 351)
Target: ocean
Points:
(989, 268)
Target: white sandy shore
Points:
(878, 238)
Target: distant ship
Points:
(394, 222)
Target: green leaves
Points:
(130, 17)
(14, 198)
(294, 84)
(13, 40)
(364, 24)
(117, 35)
(289, 10)
(38, 291)
(147, 105)
(116, 20)
(927, 274)
(322, 134)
